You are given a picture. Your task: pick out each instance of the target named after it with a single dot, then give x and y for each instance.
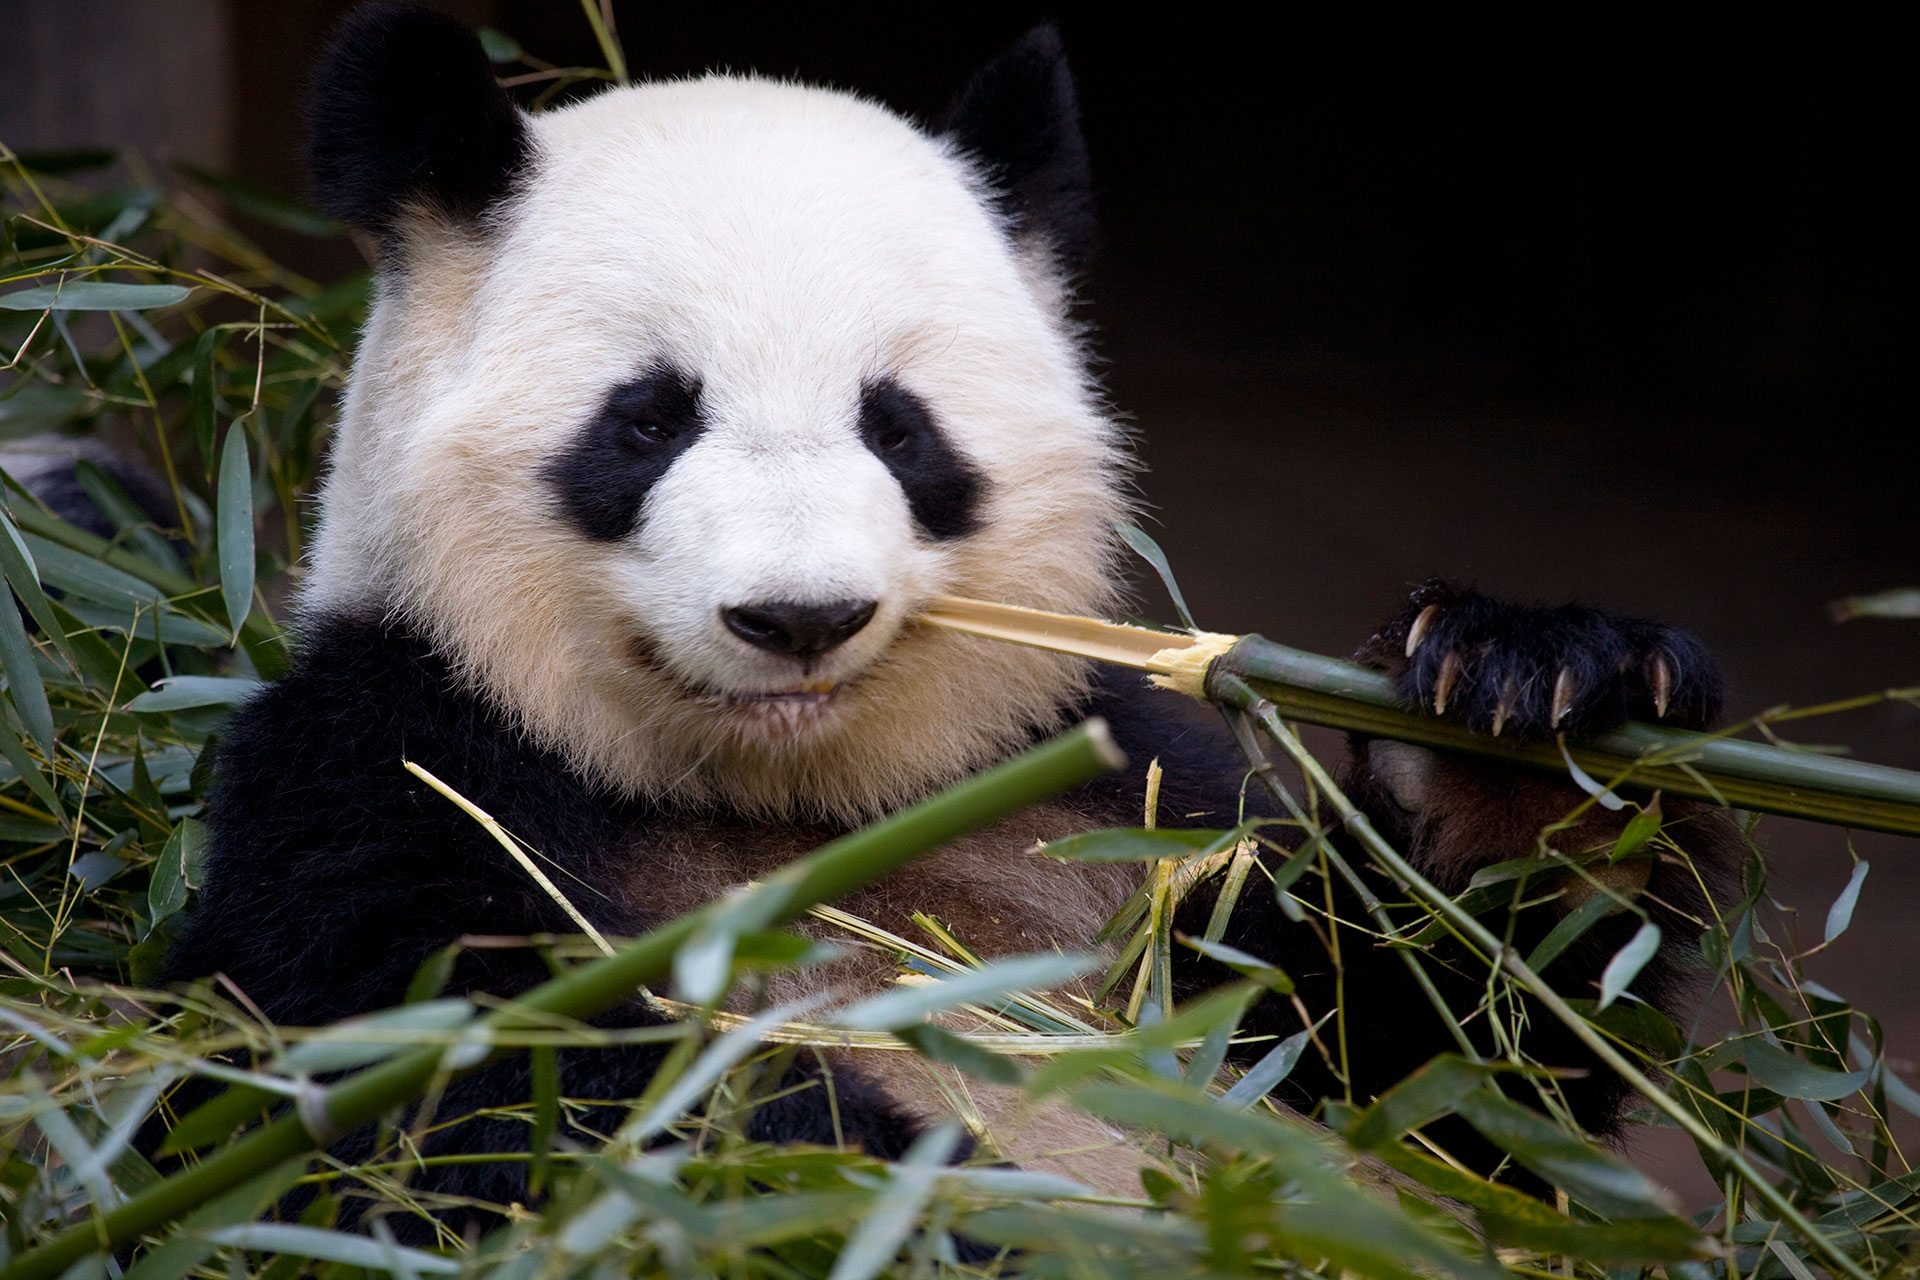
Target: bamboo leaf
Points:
(1568, 930)
(1149, 550)
(873, 1244)
(1596, 1178)
(1274, 1066)
(1628, 961)
(23, 679)
(233, 523)
(177, 693)
(1642, 827)
(172, 871)
(1774, 1068)
(942, 1045)
(988, 984)
(1840, 914)
(94, 295)
(1134, 844)
(331, 1246)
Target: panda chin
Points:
(783, 716)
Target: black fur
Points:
(944, 491)
(602, 480)
(1020, 118)
(334, 874)
(403, 110)
(1517, 653)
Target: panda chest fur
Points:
(995, 891)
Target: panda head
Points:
(677, 404)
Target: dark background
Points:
(1605, 306)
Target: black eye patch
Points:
(640, 429)
(944, 491)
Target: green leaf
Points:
(1840, 914)
(234, 527)
(38, 406)
(1149, 550)
(1582, 779)
(1642, 827)
(1665, 1239)
(500, 46)
(1275, 1066)
(1134, 844)
(174, 872)
(94, 295)
(176, 693)
(185, 1248)
(874, 1242)
(332, 1246)
(23, 575)
(203, 408)
(944, 1046)
(1598, 1179)
(1423, 1097)
(989, 984)
(1628, 961)
(374, 1037)
(1566, 931)
(1327, 1216)
(1774, 1068)
(1267, 975)
(23, 677)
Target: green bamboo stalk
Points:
(1342, 695)
(1267, 714)
(590, 989)
(1749, 775)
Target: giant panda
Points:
(674, 407)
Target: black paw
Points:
(1532, 672)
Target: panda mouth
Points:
(817, 694)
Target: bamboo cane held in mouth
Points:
(1343, 695)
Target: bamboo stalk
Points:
(1342, 695)
(580, 993)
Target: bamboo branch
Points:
(582, 992)
(1342, 695)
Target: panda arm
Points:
(1453, 815)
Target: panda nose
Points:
(798, 630)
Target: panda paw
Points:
(1530, 673)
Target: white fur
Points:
(784, 244)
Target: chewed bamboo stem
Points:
(1312, 689)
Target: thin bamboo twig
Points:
(1342, 695)
(325, 1114)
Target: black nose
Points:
(798, 630)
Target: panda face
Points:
(669, 448)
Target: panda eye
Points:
(892, 438)
(651, 431)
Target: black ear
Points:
(1020, 119)
(403, 110)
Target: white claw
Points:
(1419, 627)
(1662, 681)
(1563, 693)
(1504, 708)
(1443, 687)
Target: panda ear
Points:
(403, 112)
(1020, 119)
